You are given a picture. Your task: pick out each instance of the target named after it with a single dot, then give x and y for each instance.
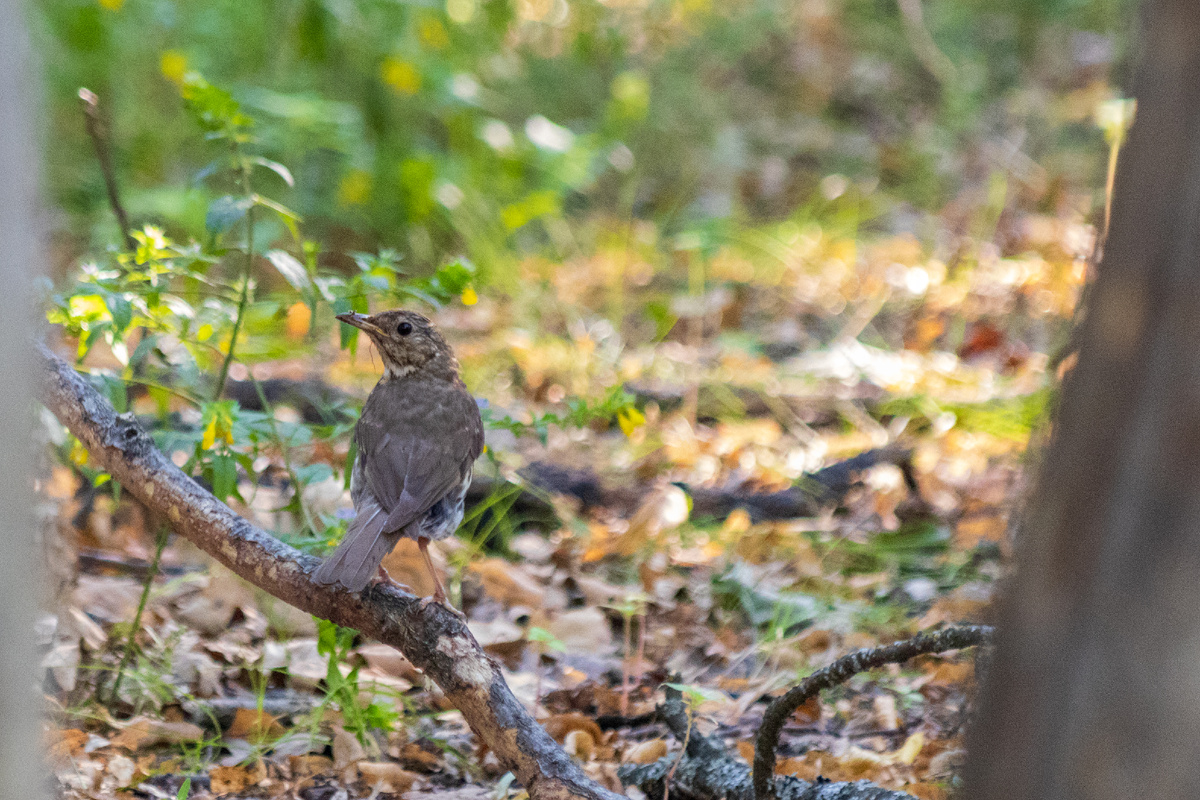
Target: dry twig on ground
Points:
(708, 772)
(839, 671)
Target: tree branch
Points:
(432, 638)
(838, 672)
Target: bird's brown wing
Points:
(407, 476)
(412, 452)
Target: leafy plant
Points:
(335, 643)
(616, 404)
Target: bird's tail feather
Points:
(357, 558)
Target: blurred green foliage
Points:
(486, 128)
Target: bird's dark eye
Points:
(404, 329)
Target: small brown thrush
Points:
(418, 437)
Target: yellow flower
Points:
(469, 298)
(630, 419)
(400, 75)
(172, 64)
(433, 33)
(355, 188)
(112, 5)
(78, 454)
(210, 435)
(219, 427)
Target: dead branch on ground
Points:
(708, 772)
(840, 671)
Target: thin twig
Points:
(687, 737)
(924, 47)
(131, 640)
(625, 664)
(96, 131)
(839, 671)
(244, 298)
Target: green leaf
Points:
(121, 310)
(696, 694)
(290, 218)
(214, 108)
(351, 455)
(225, 212)
(224, 470)
(276, 167)
(547, 638)
(185, 789)
(349, 333)
(326, 637)
(290, 268)
(313, 473)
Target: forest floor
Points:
(594, 589)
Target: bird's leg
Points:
(385, 578)
(439, 593)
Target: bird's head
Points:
(407, 342)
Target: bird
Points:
(418, 436)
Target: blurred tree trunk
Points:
(20, 751)
(1095, 688)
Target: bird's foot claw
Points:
(387, 580)
(442, 601)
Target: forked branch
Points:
(765, 744)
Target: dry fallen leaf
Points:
(389, 660)
(308, 765)
(347, 750)
(886, 716)
(406, 565)
(414, 756)
(911, 748)
(228, 780)
(145, 732)
(384, 776)
(63, 745)
(646, 752)
(212, 608)
(580, 744)
(509, 583)
(250, 723)
(559, 725)
(123, 770)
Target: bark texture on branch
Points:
(840, 671)
(708, 772)
(431, 637)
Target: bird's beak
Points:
(360, 321)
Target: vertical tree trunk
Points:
(20, 754)
(1095, 689)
